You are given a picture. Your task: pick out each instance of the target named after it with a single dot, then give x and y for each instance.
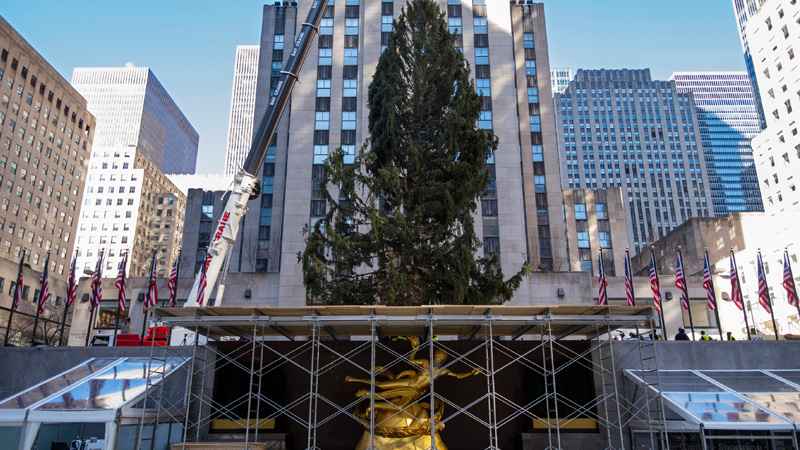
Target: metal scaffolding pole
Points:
(616, 389)
(431, 371)
(490, 387)
(603, 389)
(372, 374)
(188, 396)
(313, 387)
(549, 422)
(258, 392)
(250, 386)
(555, 386)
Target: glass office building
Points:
(728, 118)
(620, 128)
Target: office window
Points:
(527, 40)
(537, 152)
(604, 238)
(580, 211)
(277, 42)
(601, 211)
(536, 123)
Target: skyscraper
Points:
(243, 104)
(744, 10)
(773, 36)
(620, 128)
(505, 44)
(560, 78)
(134, 110)
(728, 119)
(46, 134)
(129, 204)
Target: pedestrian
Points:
(682, 336)
(730, 336)
(704, 336)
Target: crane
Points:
(246, 185)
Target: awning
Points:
(728, 399)
(89, 392)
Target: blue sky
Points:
(190, 44)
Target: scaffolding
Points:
(545, 342)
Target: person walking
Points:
(682, 336)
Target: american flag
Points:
(120, 283)
(736, 286)
(655, 284)
(203, 282)
(708, 284)
(763, 289)
(680, 281)
(172, 283)
(72, 285)
(788, 280)
(152, 286)
(602, 294)
(45, 286)
(630, 296)
(20, 283)
(97, 281)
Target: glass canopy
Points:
(727, 399)
(101, 384)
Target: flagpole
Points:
(120, 296)
(8, 324)
(144, 321)
(116, 324)
(36, 320)
(72, 291)
(747, 324)
(707, 263)
(661, 302)
(89, 326)
(97, 294)
(685, 291)
(63, 324)
(719, 323)
(145, 304)
(762, 277)
(735, 270)
(774, 324)
(788, 267)
(42, 292)
(13, 302)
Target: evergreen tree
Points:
(399, 227)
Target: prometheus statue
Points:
(401, 421)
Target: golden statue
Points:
(399, 424)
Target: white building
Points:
(771, 234)
(773, 37)
(743, 10)
(745, 234)
(134, 109)
(728, 118)
(243, 106)
(129, 205)
(560, 78)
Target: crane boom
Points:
(245, 184)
